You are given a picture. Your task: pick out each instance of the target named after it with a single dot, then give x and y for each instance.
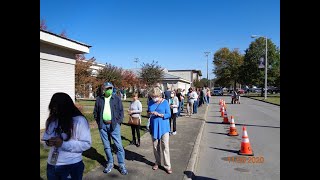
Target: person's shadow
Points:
(93, 154)
(192, 176)
(132, 156)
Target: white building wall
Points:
(182, 74)
(57, 74)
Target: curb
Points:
(194, 155)
(261, 100)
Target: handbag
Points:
(134, 120)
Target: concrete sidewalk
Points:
(139, 160)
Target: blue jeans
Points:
(182, 105)
(179, 108)
(208, 99)
(195, 107)
(116, 137)
(63, 171)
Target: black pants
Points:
(173, 120)
(135, 128)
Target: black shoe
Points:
(132, 143)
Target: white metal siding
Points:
(54, 77)
(182, 74)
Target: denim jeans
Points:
(195, 107)
(116, 137)
(63, 171)
(179, 108)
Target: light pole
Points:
(265, 65)
(136, 61)
(206, 54)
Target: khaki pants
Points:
(164, 148)
(190, 108)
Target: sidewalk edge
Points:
(189, 172)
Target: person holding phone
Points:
(159, 111)
(67, 135)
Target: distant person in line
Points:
(191, 99)
(182, 99)
(159, 111)
(108, 113)
(234, 96)
(68, 135)
(208, 95)
(124, 94)
(134, 111)
(196, 94)
(167, 94)
(174, 104)
(179, 96)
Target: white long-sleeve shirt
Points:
(136, 108)
(71, 151)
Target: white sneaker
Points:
(174, 133)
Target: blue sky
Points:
(176, 33)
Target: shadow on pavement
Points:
(257, 125)
(93, 154)
(219, 133)
(132, 156)
(245, 124)
(228, 150)
(191, 175)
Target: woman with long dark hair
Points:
(68, 135)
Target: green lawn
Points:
(273, 98)
(96, 155)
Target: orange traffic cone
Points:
(245, 144)
(233, 129)
(222, 111)
(224, 104)
(225, 118)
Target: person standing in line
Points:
(208, 96)
(67, 135)
(135, 109)
(190, 103)
(159, 111)
(174, 104)
(108, 113)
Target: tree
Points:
(43, 25)
(227, 66)
(129, 79)
(111, 73)
(251, 74)
(151, 73)
(83, 76)
(198, 84)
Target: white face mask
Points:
(172, 95)
(155, 99)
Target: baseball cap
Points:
(108, 84)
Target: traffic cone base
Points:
(225, 118)
(245, 144)
(233, 129)
(233, 132)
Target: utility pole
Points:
(207, 54)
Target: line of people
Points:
(67, 131)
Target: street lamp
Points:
(265, 65)
(206, 54)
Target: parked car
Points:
(217, 91)
(272, 90)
